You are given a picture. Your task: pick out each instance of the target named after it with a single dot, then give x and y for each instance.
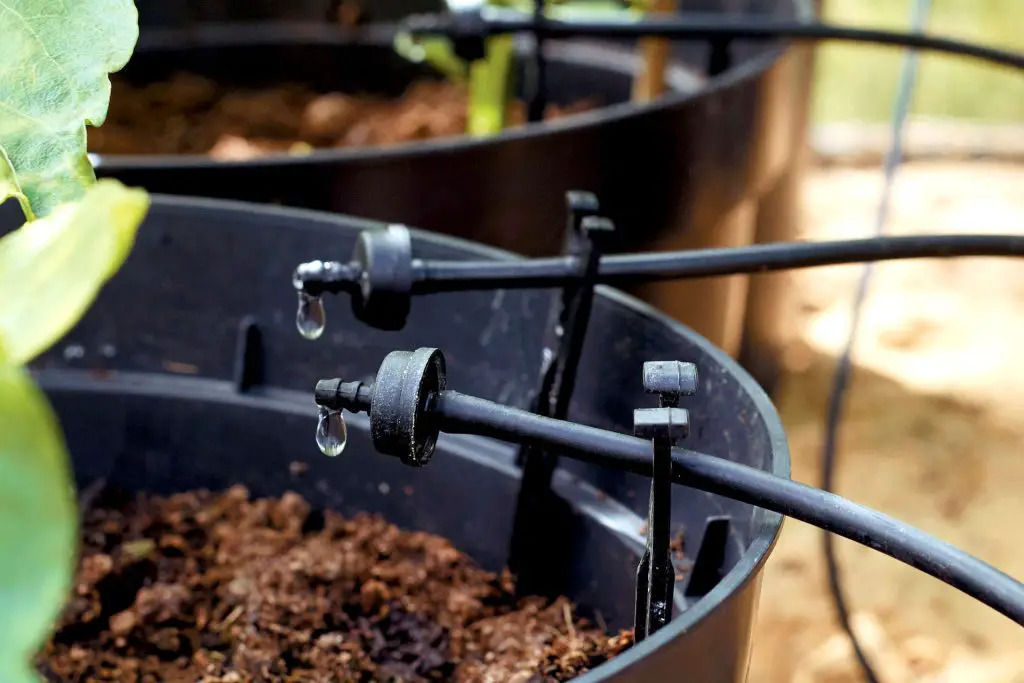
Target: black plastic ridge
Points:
(537, 87)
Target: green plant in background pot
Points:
(489, 80)
(54, 69)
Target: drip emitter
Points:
(409, 404)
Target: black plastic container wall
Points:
(706, 165)
(242, 413)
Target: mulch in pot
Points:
(189, 114)
(219, 587)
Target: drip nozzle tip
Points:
(335, 394)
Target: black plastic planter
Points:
(688, 171)
(188, 372)
(505, 192)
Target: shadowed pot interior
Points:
(688, 171)
(147, 391)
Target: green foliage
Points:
(51, 269)
(858, 82)
(436, 52)
(54, 65)
(490, 78)
(37, 522)
(489, 84)
(54, 62)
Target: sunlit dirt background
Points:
(934, 432)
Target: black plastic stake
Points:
(656, 574)
(720, 56)
(533, 534)
(555, 357)
(537, 80)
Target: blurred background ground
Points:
(934, 426)
(934, 431)
(859, 82)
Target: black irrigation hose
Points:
(844, 366)
(431, 277)
(459, 413)
(456, 413)
(626, 269)
(705, 26)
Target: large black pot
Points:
(506, 192)
(687, 171)
(203, 269)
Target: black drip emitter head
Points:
(379, 279)
(384, 260)
(398, 403)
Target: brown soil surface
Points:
(222, 588)
(189, 114)
(932, 435)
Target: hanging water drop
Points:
(331, 433)
(311, 318)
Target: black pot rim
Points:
(588, 53)
(767, 524)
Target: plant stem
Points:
(489, 88)
(650, 82)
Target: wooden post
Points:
(654, 55)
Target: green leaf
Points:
(38, 523)
(51, 269)
(437, 53)
(55, 57)
(9, 184)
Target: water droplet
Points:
(311, 317)
(331, 433)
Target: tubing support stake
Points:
(665, 426)
(534, 537)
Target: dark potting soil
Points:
(223, 588)
(189, 114)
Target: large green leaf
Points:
(51, 269)
(55, 57)
(38, 523)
